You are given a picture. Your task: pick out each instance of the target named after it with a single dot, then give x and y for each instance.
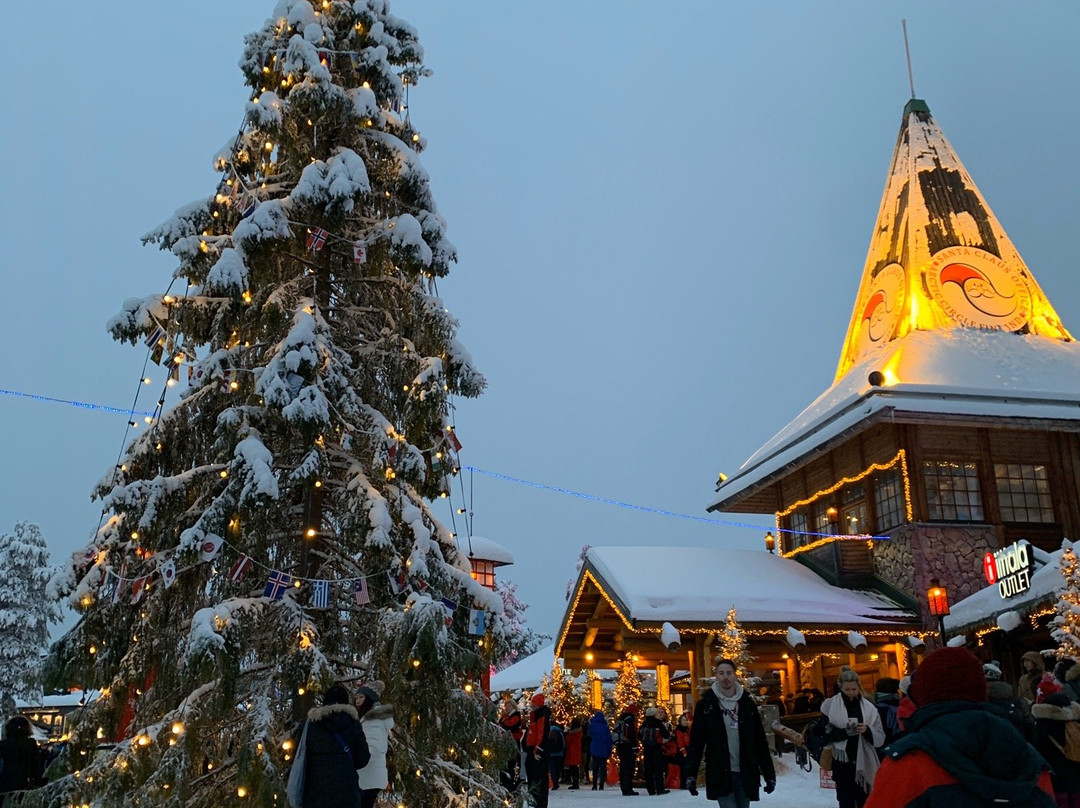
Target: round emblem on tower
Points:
(978, 290)
(880, 311)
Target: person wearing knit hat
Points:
(537, 757)
(957, 751)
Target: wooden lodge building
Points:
(951, 429)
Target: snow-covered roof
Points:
(485, 549)
(984, 606)
(960, 372)
(700, 584)
(525, 673)
(72, 699)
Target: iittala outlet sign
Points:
(1010, 568)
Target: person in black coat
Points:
(626, 745)
(24, 765)
(726, 714)
(336, 748)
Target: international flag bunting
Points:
(210, 547)
(452, 437)
(476, 622)
(397, 582)
(157, 354)
(228, 379)
(361, 591)
(320, 594)
(250, 209)
(326, 58)
(316, 239)
(174, 372)
(109, 586)
(138, 586)
(155, 336)
(359, 252)
(240, 568)
(449, 606)
(168, 573)
(277, 585)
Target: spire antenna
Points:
(907, 53)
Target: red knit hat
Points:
(631, 707)
(1047, 687)
(537, 700)
(948, 674)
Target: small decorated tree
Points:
(1066, 624)
(564, 697)
(733, 646)
(627, 686)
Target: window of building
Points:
(952, 491)
(800, 526)
(484, 572)
(889, 500)
(853, 510)
(1024, 492)
(822, 521)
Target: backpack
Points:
(816, 737)
(650, 737)
(618, 732)
(556, 740)
(1071, 748)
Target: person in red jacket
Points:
(510, 720)
(682, 743)
(572, 755)
(958, 751)
(537, 759)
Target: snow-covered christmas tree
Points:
(564, 697)
(627, 685)
(734, 646)
(25, 616)
(1066, 624)
(273, 532)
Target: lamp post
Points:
(770, 542)
(938, 598)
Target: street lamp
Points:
(938, 598)
(770, 542)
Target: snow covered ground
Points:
(794, 787)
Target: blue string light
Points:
(644, 509)
(494, 474)
(82, 405)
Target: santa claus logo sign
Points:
(979, 290)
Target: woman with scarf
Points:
(856, 732)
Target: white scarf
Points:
(866, 759)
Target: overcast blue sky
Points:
(661, 211)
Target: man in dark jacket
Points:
(958, 751)
(653, 736)
(336, 748)
(537, 757)
(625, 734)
(22, 760)
(728, 731)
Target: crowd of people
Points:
(954, 733)
(579, 754)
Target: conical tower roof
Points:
(939, 259)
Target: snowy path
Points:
(794, 788)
